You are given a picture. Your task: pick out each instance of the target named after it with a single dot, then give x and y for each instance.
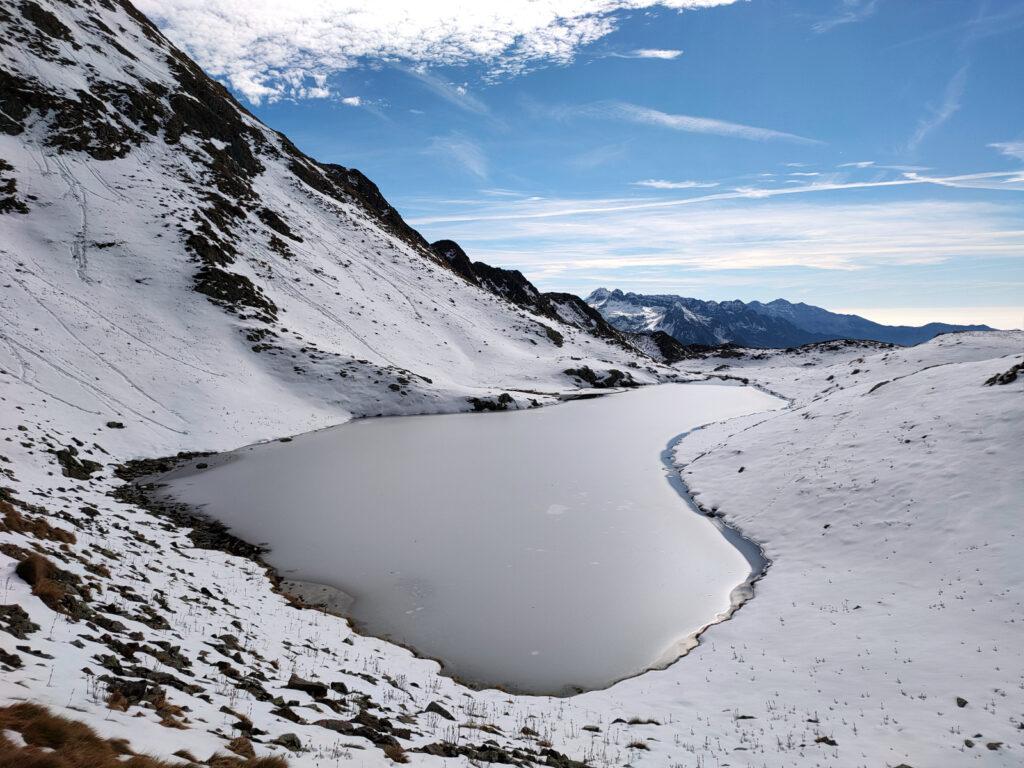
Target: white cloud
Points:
(454, 93)
(268, 50)
(626, 244)
(939, 115)
(462, 151)
(1008, 181)
(654, 53)
(665, 184)
(851, 12)
(352, 101)
(599, 156)
(633, 113)
(1010, 148)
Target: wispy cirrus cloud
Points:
(599, 156)
(626, 244)
(1013, 149)
(665, 54)
(268, 50)
(456, 94)
(665, 184)
(850, 12)
(822, 231)
(1008, 181)
(979, 27)
(634, 113)
(939, 115)
(461, 151)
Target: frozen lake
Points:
(544, 551)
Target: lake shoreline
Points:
(324, 595)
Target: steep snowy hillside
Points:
(778, 323)
(164, 253)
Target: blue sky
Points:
(858, 154)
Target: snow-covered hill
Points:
(167, 258)
(778, 323)
(887, 497)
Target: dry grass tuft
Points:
(12, 520)
(395, 753)
(34, 569)
(74, 744)
(242, 746)
(57, 742)
(228, 761)
(38, 572)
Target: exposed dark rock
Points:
(437, 709)
(553, 336)
(233, 291)
(72, 466)
(316, 690)
(287, 713)
(608, 379)
(671, 350)
(512, 286)
(501, 403)
(276, 223)
(9, 200)
(1008, 376)
(289, 741)
(14, 620)
(574, 311)
(10, 661)
(451, 253)
(45, 21)
(491, 752)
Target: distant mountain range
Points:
(778, 323)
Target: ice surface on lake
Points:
(540, 550)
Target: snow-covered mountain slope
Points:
(890, 513)
(889, 499)
(166, 258)
(567, 308)
(778, 323)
